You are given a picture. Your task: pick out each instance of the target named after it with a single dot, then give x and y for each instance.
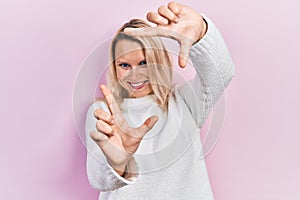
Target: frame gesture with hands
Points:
(114, 136)
(176, 21)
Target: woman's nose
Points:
(134, 71)
(133, 67)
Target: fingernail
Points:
(126, 30)
(105, 137)
(165, 21)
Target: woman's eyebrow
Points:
(125, 61)
(120, 61)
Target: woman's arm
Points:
(214, 70)
(100, 174)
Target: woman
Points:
(143, 139)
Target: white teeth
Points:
(137, 84)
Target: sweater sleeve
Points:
(100, 174)
(214, 70)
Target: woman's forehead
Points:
(128, 48)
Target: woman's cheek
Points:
(120, 75)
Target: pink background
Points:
(42, 46)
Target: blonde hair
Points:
(159, 64)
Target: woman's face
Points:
(131, 68)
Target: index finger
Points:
(110, 100)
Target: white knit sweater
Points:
(169, 160)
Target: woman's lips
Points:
(137, 85)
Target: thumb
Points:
(152, 31)
(148, 125)
(184, 53)
(148, 31)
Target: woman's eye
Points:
(124, 65)
(143, 62)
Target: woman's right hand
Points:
(115, 137)
(176, 21)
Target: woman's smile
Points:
(138, 85)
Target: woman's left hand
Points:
(176, 21)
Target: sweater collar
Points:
(137, 102)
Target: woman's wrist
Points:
(203, 30)
(122, 172)
(120, 169)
